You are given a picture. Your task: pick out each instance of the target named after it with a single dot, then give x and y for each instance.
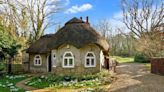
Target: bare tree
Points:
(32, 17)
(105, 28)
(120, 43)
(143, 17)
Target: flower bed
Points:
(7, 83)
(71, 81)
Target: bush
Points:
(2, 67)
(141, 58)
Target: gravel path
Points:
(135, 77)
(21, 84)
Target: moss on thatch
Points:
(75, 32)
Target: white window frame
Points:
(54, 60)
(68, 58)
(90, 60)
(36, 60)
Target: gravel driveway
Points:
(135, 77)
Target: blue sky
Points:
(95, 9)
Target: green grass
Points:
(129, 60)
(148, 65)
(124, 59)
(6, 80)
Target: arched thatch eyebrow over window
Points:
(90, 59)
(37, 60)
(68, 60)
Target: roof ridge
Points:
(74, 20)
(48, 35)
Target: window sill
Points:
(89, 66)
(37, 65)
(68, 66)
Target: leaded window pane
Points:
(38, 61)
(87, 62)
(92, 61)
(65, 62)
(70, 62)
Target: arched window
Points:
(37, 60)
(90, 60)
(68, 60)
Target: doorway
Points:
(49, 64)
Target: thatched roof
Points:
(75, 32)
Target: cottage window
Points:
(68, 60)
(37, 60)
(90, 60)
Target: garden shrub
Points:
(52, 78)
(141, 58)
(2, 68)
(87, 77)
(103, 73)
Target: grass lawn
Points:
(148, 65)
(7, 83)
(124, 59)
(129, 60)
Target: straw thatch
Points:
(75, 32)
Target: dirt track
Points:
(135, 77)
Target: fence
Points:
(16, 68)
(157, 65)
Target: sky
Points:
(96, 10)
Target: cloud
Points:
(67, 2)
(76, 8)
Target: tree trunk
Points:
(9, 66)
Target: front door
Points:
(49, 64)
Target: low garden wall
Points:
(157, 65)
(26, 67)
(15, 68)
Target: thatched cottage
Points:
(76, 48)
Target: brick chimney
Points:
(81, 18)
(87, 20)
